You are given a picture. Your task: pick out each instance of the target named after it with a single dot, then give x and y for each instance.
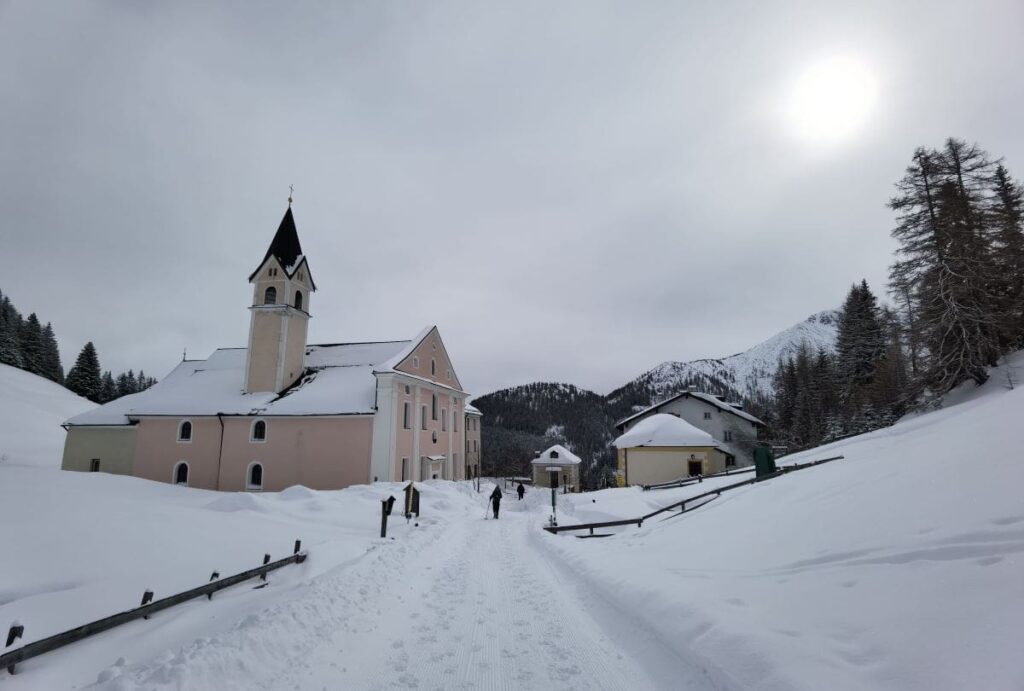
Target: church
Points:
(283, 412)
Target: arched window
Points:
(254, 476)
(185, 431)
(270, 296)
(181, 473)
(298, 299)
(259, 430)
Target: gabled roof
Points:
(705, 397)
(286, 249)
(564, 457)
(664, 430)
(338, 380)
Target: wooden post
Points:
(383, 517)
(266, 560)
(298, 546)
(213, 576)
(147, 597)
(13, 634)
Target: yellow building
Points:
(562, 461)
(663, 448)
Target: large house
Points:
(473, 438)
(735, 431)
(664, 448)
(281, 412)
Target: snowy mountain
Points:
(743, 375)
(516, 419)
(31, 412)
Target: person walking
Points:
(496, 500)
(520, 490)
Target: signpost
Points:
(553, 475)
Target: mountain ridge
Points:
(520, 420)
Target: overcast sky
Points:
(570, 191)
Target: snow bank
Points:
(896, 568)
(663, 429)
(32, 410)
(88, 544)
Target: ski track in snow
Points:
(465, 604)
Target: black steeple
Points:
(285, 245)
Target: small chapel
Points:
(281, 411)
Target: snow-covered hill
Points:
(748, 373)
(898, 567)
(31, 411)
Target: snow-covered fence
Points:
(682, 505)
(147, 608)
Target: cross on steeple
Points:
(291, 191)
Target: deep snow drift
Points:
(31, 412)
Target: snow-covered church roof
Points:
(557, 455)
(339, 380)
(664, 430)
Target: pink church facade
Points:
(282, 412)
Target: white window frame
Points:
(249, 487)
(191, 431)
(174, 474)
(252, 431)
(415, 362)
(727, 435)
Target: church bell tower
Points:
(279, 314)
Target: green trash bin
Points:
(764, 461)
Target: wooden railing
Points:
(148, 607)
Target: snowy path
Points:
(480, 609)
(457, 603)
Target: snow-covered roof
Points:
(472, 410)
(706, 397)
(339, 381)
(557, 454)
(663, 429)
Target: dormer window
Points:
(298, 299)
(554, 454)
(270, 296)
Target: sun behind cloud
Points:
(832, 100)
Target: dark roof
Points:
(705, 397)
(285, 246)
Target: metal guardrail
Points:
(149, 607)
(686, 482)
(714, 494)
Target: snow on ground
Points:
(896, 568)
(31, 412)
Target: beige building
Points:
(737, 432)
(282, 412)
(664, 448)
(473, 419)
(557, 459)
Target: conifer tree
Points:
(84, 378)
(108, 389)
(51, 365)
(1007, 217)
(10, 330)
(30, 343)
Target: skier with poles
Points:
(496, 500)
